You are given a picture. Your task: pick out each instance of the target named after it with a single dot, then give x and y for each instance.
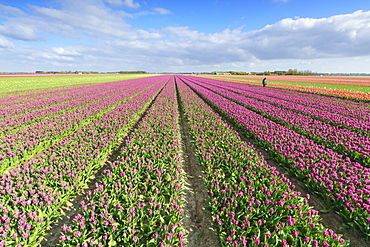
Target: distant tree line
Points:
(231, 72)
(133, 72)
(300, 72)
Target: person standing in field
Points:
(264, 82)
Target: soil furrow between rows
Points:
(198, 220)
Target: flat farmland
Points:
(342, 86)
(19, 82)
(175, 160)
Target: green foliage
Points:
(300, 72)
(230, 72)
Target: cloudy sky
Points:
(185, 36)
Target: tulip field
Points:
(354, 87)
(119, 147)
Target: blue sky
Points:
(185, 36)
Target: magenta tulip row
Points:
(341, 182)
(360, 107)
(344, 107)
(329, 114)
(342, 140)
(17, 146)
(138, 201)
(58, 107)
(30, 95)
(33, 100)
(252, 204)
(31, 195)
(55, 99)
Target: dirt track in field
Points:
(198, 220)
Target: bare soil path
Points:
(198, 220)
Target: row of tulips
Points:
(21, 95)
(53, 87)
(251, 203)
(53, 97)
(341, 140)
(362, 126)
(342, 183)
(354, 95)
(344, 107)
(31, 195)
(26, 142)
(138, 200)
(72, 102)
(332, 99)
(9, 98)
(321, 101)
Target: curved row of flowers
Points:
(352, 103)
(53, 98)
(326, 92)
(341, 140)
(31, 195)
(357, 109)
(354, 108)
(26, 142)
(138, 200)
(59, 106)
(342, 183)
(361, 126)
(252, 204)
(8, 99)
(16, 105)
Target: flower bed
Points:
(31, 195)
(24, 143)
(343, 141)
(342, 183)
(252, 204)
(138, 201)
(329, 115)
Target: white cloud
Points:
(4, 43)
(17, 30)
(75, 18)
(9, 11)
(126, 3)
(115, 45)
(94, 20)
(155, 11)
(163, 11)
(63, 51)
(336, 36)
(54, 57)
